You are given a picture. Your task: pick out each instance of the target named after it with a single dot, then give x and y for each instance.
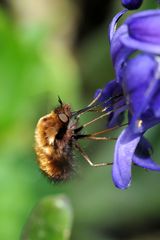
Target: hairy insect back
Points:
(54, 141)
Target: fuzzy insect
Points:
(56, 136)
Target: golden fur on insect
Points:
(54, 142)
(56, 137)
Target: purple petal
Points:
(117, 117)
(124, 151)
(148, 121)
(140, 92)
(119, 52)
(155, 104)
(146, 162)
(117, 104)
(112, 26)
(142, 14)
(133, 44)
(140, 37)
(116, 44)
(144, 148)
(142, 69)
(111, 89)
(144, 26)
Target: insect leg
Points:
(93, 137)
(109, 129)
(85, 156)
(101, 138)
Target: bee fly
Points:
(57, 135)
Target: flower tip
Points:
(132, 4)
(122, 186)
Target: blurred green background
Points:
(60, 47)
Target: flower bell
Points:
(135, 50)
(143, 32)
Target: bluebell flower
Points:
(133, 36)
(135, 50)
(110, 90)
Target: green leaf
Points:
(51, 219)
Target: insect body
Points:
(54, 142)
(57, 134)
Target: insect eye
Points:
(63, 117)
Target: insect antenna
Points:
(60, 100)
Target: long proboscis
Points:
(76, 130)
(92, 107)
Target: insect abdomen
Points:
(56, 166)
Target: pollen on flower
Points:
(139, 123)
